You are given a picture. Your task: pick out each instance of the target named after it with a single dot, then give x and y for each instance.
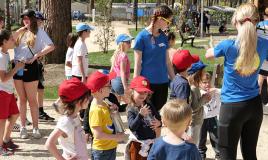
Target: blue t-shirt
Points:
(235, 87)
(154, 50)
(264, 25)
(180, 88)
(162, 150)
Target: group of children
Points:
(183, 116)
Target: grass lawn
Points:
(51, 92)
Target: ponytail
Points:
(246, 17)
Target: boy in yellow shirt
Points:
(104, 137)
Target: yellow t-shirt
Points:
(100, 116)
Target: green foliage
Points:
(51, 92)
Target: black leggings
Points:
(240, 120)
(160, 94)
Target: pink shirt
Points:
(121, 57)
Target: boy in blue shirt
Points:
(176, 116)
(180, 88)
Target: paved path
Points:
(32, 149)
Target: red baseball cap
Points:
(140, 84)
(97, 80)
(182, 59)
(72, 89)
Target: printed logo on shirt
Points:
(162, 45)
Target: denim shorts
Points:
(117, 86)
(103, 154)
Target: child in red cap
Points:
(143, 119)
(74, 96)
(180, 88)
(105, 140)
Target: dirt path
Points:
(32, 149)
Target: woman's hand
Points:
(19, 65)
(35, 57)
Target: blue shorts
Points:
(103, 154)
(117, 86)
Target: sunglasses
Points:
(166, 20)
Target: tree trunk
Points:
(27, 4)
(7, 15)
(92, 5)
(57, 25)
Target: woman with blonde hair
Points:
(32, 44)
(241, 112)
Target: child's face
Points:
(139, 97)
(205, 84)
(86, 34)
(10, 43)
(127, 45)
(106, 90)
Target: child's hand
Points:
(114, 107)
(120, 137)
(206, 97)
(144, 111)
(155, 124)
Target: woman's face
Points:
(164, 23)
(139, 97)
(26, 20)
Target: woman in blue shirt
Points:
(151, 58)
(241, 112)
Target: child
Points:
(9, 110)
(121, 64)
(104, 138)
(80, 53)
(143, 119)
(180, 88)
(176, 117)
(196, 100)
(75, 96)
(211, 110)
(70, 41)
(171, 43)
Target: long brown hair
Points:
(33, 32)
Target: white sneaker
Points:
(36, 133)
(23, 133)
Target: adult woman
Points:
(241, 112)
(31, 45)
(151, 58)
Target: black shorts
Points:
(30, 73)
(263, 72)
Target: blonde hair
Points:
(174, 113)
(119, 49)
(248, 61)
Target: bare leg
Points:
(31, 92)
(9, 126)
(22, 100)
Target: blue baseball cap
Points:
(83, 27)
(39, 15)
(123, 38)
(196, 67)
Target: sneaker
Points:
(43, 117)
(36, 133)
(10, 145)
(5, 152)
(23, 133)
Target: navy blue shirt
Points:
(162, 150)
(235, 87)
(180, 88)
(154, 51)
(138, 125)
